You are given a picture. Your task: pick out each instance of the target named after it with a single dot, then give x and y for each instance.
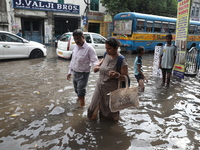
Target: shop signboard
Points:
(46, 6)
(183, 18)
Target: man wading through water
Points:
(83, 56)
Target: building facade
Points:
(46, 20)
(195, 10)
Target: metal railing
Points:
(192, 62)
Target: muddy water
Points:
(38, 110)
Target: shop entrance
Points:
(32, 29)
(63, 25)
(94, 27)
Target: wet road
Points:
(38, 110)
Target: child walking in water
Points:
(167, 54)
(138, 72)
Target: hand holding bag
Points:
(123, 97)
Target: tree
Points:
(155, 7)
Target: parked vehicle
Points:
(13, 46)
(66, 44)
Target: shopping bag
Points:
(123, 97)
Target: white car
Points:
(13, 46)
(66, 44)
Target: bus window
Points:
(123, 27)
(149, 26)
(172, 27)
(157, 26)
(165, 27)
(198, 29)
(140, 25)
(192, 29)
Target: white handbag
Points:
(123, 97)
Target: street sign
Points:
(85, 20)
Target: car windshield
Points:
(65, 37)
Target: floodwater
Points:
(39, 110)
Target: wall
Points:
(3, 16)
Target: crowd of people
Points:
(84, 56)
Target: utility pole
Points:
(85, 19)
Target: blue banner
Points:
(178, 74)
(46, 6)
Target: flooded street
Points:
(38, 110)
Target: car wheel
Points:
(36, 54)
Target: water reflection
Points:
(38, 110)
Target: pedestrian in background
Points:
(19, 33)
(167, 59)
(82, 57)
(107, 82)
(138, 71)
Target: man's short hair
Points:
(140, 49)
(78, 32)
(169, 36)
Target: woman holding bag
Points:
(107, 82)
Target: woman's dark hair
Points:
(78, 32)
(140, 49)
(169, 36)
(113, 42)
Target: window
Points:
(36, 26)
(61, 1)
(123, 27)
(193, 10)
(198, 29)
(165, 27)
(172, 27)
(140, 25)
(87, 38)
(197, 12)
(27, 26)
(157, 26)
(9, 38)
(192, 29)
(149, 26)
(65, 37)
(94, 5)
(98, 39)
